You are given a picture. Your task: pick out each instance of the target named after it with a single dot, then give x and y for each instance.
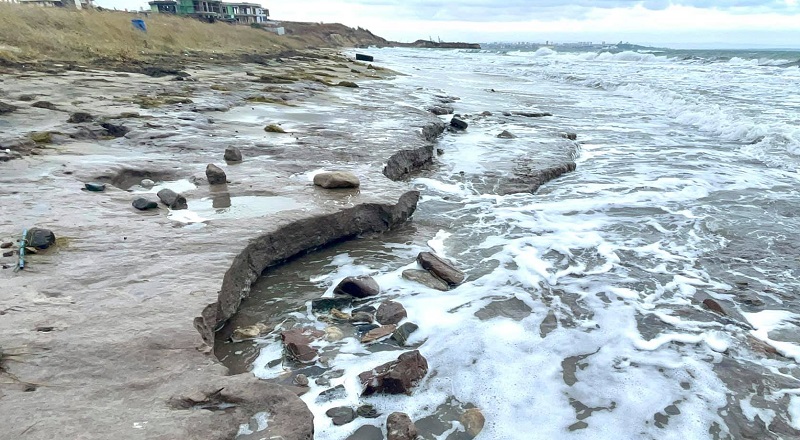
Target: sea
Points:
(652, 293)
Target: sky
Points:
(670, 23)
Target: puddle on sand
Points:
(223, 206)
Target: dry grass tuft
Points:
(34, 33)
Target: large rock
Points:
(390, 312)
(400, 427)
(396, 377)
(364, 57)
(359, 287)
(336, 179)
(40, 238)
(405, 162)
(232, 154)
(297, 342)
(172, 199)
(215, 175)
(144, 204)
(426, 279)
(440, 268)
(458, 124)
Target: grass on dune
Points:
(36, 33)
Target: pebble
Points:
(147, 183)
(96, 187)
(473, 421)
(367, 411)
(143, 204)
(301, 380)
(333, 334)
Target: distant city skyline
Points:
(668, 23)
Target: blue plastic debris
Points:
(139, 24)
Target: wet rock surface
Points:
(358, 287)
(336, 180)
(426, 279)
(390, 312)
(406, 162)
(172, 199)
(400, 427)
(298, 343)
(341, 415)
(396, 377)
(403, 332)
(40, 238)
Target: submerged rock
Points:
(297, 342)
(172, 199)
(425, 278)
(115, 130)
(144, 204)
(532, 114)
(432, 131)
(80, 117)
(40, 238)
(322, 305)
(400, 427)
(440, 268)
(350, 84)
(378, 333)
(403, 332)
(249, 332)
(473, 421)
(396, 377)
(7, 108)
(367, 432)
(233, 154)
(359, 287)
(714, 306)
(367, 411)
(505, 134)
(215, 175)
(334, 393)
(390, 312)
(336, 179)
(341, 415)
(458, 124)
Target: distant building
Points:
(212, 10)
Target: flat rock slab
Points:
(378, 333)
(336, 180)
(426, 279)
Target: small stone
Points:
(714, 306)
(505, 134)
(42, 137)
(300, 380)
(390, 312)
(95, 187)
(115, 130)
(378, 333)
(395, 377)
(359, 287)
(366, 309)
(570, 136)
(440, 151)
(322, 381)
(403, 332)
(441, 110)
(80, 117)
(297, 342)
(8, 254)
(336, 179)
(341, 415)
(400, 427)
(337, 392)
(144, 204)
(340, 316)
(274, 128)
(147, 183)
(361, 317)
(426, 279)
(7, 108)
(215, 175)
(350, 84)
(458, 124)
(44, 104)
(249, 332)
(367, 411)
(473, 421)
(172, 199)
(441, 268)
(486, 113)
(322, 305)
(232, 154)
(333, 334)
(6, 245)
(40, 238)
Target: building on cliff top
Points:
(212, 10)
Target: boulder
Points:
(7, 108)
(505, 134)
(378, 333)
(40, 238)
(144, 204)
(458, 124)
(215, 175)
(232, 154)
(400, 427)
(390, 312)
(115, 130)
(297, 342)
(336, 179)
(473, 421)
(569, 135)
(323, 305)
(172, 199)
(425, 278)
(80, 117)
(403, 332)
(395, 377)
(440, 268)
(364, 57)
(95, 187)
(341, 415)
(359, 287)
